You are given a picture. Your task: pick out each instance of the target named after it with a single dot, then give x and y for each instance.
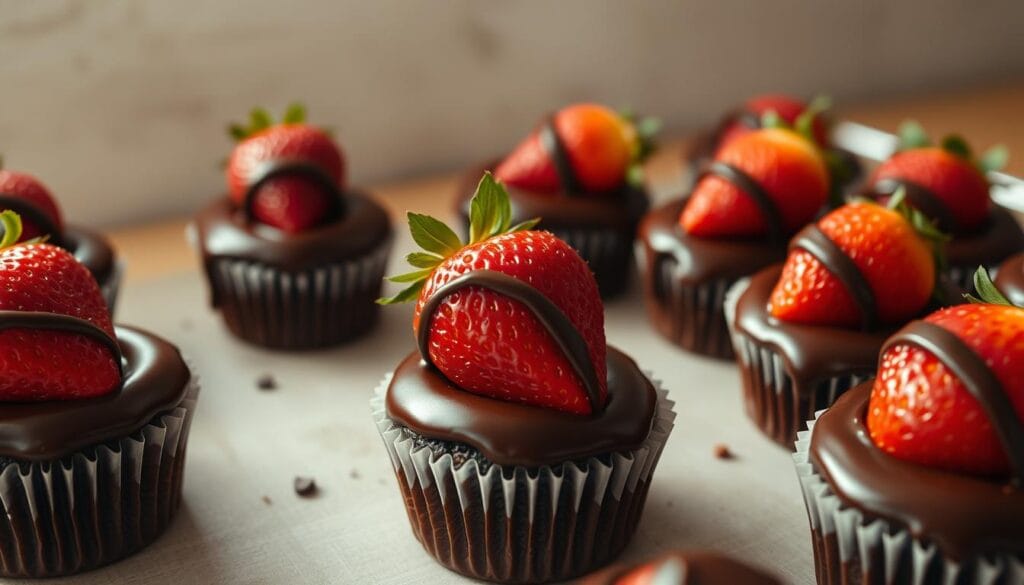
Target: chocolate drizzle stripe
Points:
(29, 210)
(553, 144)
(277, 167)
(550, 316)
(67, 323)
(753, 189)
(922, 198)
(814, 241)
(976, 376)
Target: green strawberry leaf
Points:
(804, 123)
(295, 114)
(408, 294)
(986, 289)
(423, 259)
(955, 144)
(432, 235)
(490, 211)
(524, 226)
(11, 222)
(238, 132)
(772, 119)
(994, 159)
(912, 135)
(415, 276)
(260, 119)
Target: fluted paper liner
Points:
(112, 284)
(514, 524)
(608, 252)
(769, 392)
(95, 506)
(852, 548)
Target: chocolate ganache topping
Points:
(155, 380)
(687, 568)
(1010, 279)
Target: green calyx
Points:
(260, 119)
(987, 291)
(928, 231)
(646, 129)
(490, 215)
(11, 222)
(912, 136)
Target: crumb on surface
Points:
(266, 500)
(266, 382)
(305, 486)
(354, 474)
(722, 451)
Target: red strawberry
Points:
(921, 412)
(787, 166)
(602, 148)
(27, 187)
(291, 202)
(890, 250)
(490, 344)
(786, 107)
(50, 365)
(949, 172)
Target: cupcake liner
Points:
(95, 506)
(112, 285)
(769, 391)
(306, 309)
(691, 316)
(518, 524)
(608, 252)
(852, 548)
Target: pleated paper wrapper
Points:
(851, 548)
(95, 506)
(514, 524)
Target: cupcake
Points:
(683, 568)
(1010, 279)
(810, 329)
(580, 171)
(294, 259)
(523, 446)
(764, 186)
(749, 117)
(94, 423)
(41, 217)
(950, 186)
(916, 476)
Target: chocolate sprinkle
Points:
(305, 486)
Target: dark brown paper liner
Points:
(280, 309)
(517, 525)
(850, 547)
(95, 506)
(608, 252)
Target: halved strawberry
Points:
(491, 344)
(41, 364)
(25, 186)
(293, 201)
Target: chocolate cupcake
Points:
(94, 425)
(807, 331)
(1010, 279)
(28, 197)
(683, 568)
(293, 259)
(523, 446)
(765, 186)
(951, 188)
(890, 500)
(579, 171)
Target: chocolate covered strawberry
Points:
(292, 200)
(583, 148)
(39, 363)
(946, 182)
(861, 265)
(922, 410)
(492, 344)
(788, 108)
(769, 181)
(23, 186)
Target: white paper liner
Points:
(95, 506)
(879, 551)
(297, 310)
(112, 285)
(608, 252)
(515, 524)
(769, 390)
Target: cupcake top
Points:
(510, 328)
(66, 379)
(937, 440)
(683, 568)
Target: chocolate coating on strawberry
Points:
(751, 188)
(31, 211)
(39, 320)
(814, 241)
(275, 168)
(555, 148)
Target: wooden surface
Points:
(984, 116)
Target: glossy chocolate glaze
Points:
(688, 568)
(964, 515)
(274, 168)
(423, 400)
(155, 380)
(814, 241)
(552, 142)
(1010, 279)
(922, 198)
(550, 316)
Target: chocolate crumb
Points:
(305, 486)
(354, 474)
(266, 382)
(267, 500)
(722, 451)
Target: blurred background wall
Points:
(120, 106)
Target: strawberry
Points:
(949, 172)
(785, 107)
(294, 201)
(789, 169)
(920, 411)
(602, 149)
(29, 188)
(892, 249)
(488, 343)
(39, 364)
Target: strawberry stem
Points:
(11, 222)
(260, 119)
(987, 291)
